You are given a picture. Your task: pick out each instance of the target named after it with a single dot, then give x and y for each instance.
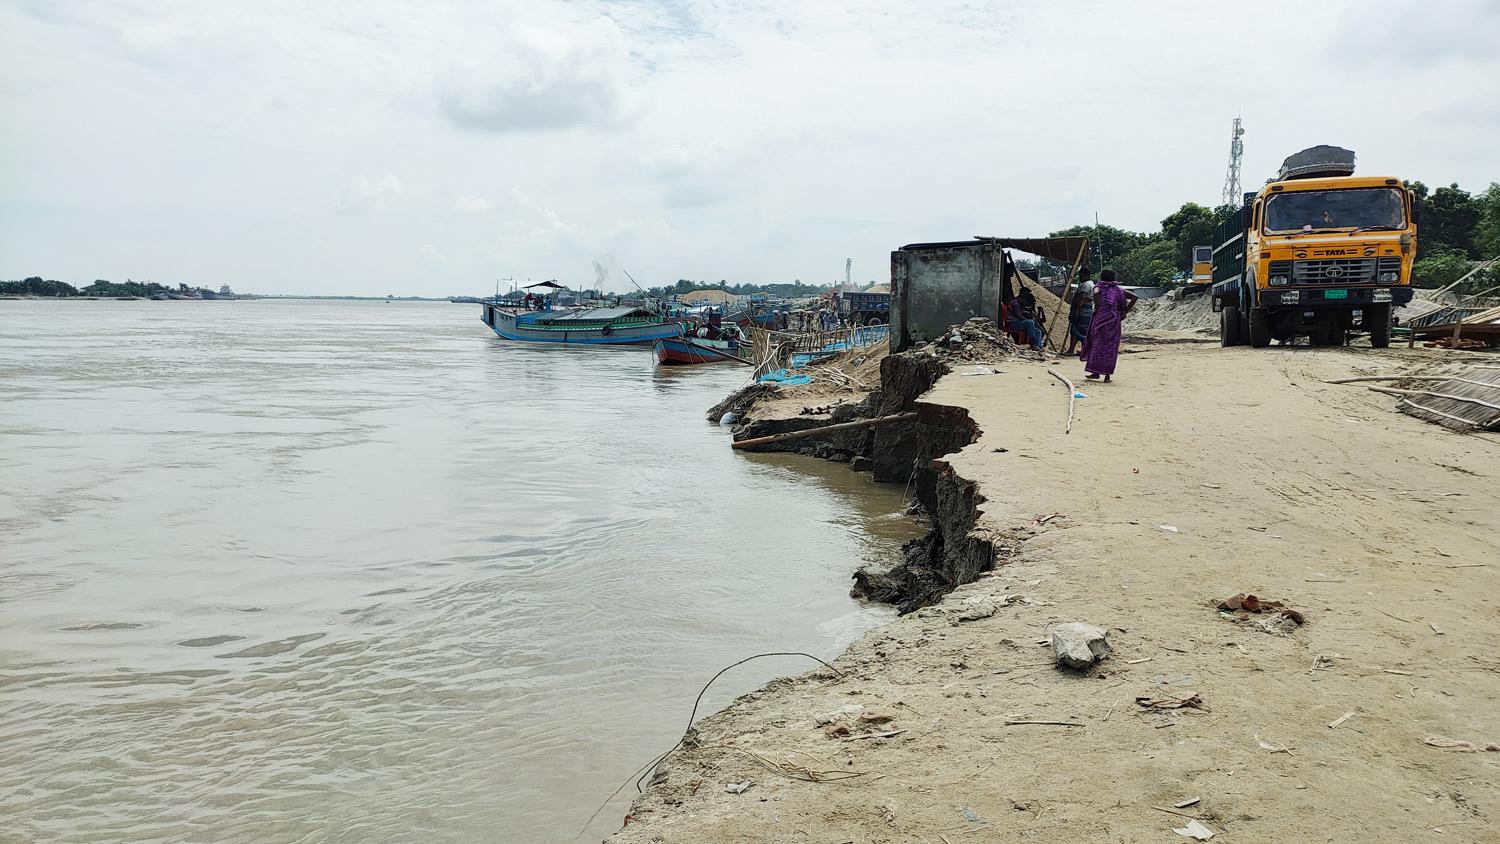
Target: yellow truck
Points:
(1203, 266)
(1317, 252)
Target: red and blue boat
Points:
(677, 351)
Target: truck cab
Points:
(1203, 265)
(1315, 253)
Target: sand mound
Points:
(1173, 312)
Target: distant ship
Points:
(224, 293)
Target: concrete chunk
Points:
(1078, 645)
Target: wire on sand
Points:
(640, 772)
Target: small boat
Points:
(592, 326)
(674, 351)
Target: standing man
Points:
(1080, 310)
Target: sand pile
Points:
(1173, 312)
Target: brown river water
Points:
(299, 571)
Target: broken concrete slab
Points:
(1078, 645)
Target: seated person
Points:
(1029, 308)
(1019, 318)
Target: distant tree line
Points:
(38, 286)
(794, 290)
(1454, 229)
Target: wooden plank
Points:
(811, 432)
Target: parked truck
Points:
(1316, 252)
(864, 308)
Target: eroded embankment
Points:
(1367, 722)
(906, 450)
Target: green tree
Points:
(1106, 241)
(1487, 233)
(1440, 269)
(1446, 220)
(37, 286)
(1154, 263)
(1194, 225)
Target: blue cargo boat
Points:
(594, 326)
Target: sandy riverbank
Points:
(1379, 527)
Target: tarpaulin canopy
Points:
(1066, 250)
(551, 284)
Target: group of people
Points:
(1095, 314)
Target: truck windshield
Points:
(1349, 208)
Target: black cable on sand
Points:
(640, 773)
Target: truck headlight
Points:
(1390, 277)
(1380, 296)
(1292, 297)
(1278, 281)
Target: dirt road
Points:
(1200, 473)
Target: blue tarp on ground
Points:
(781, 376)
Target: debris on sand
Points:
(984, 606)
(1187, 700)
(1271, 748)
(1194, 830)
(841, 714)
(1240, 607)
(1078, 645)
(977, 339)
(738, 787)
(1459, 744)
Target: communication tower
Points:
(1232, 177)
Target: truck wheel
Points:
(1229, 326)
(1378, 319)
(1260, 328)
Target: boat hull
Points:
(678, 352)
(530, 327)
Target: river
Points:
(282, 571)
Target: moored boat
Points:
(674, 351)
(591, 326)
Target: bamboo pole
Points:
(1395, 392)
(1072, 392)
(811, 432)
(1409, 378)
(1388, 378)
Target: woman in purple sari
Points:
(1101, 349)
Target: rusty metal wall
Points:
(933, 288)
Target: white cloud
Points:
(542, 77)
(473, 204)
(685, 138)
(361, 196)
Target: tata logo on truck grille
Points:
(1334, 270)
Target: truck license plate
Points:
(1335, 294)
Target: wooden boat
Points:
(591, 326)
(674, 351)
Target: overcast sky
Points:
(430, 148)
